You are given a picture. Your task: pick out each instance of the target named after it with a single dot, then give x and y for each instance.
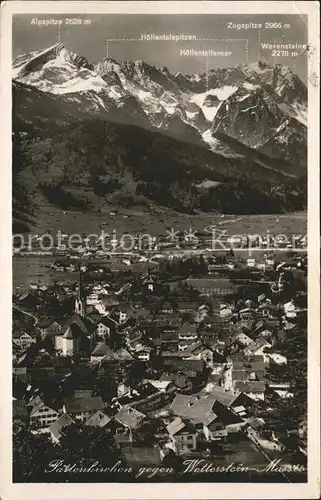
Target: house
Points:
(143, 352)
(173, 382)
(240, 339)
(149, 284)
(123, 390)
(16, 351)
(126, 327)
(205, 408)
(56, 427)
(182, 435)
(254, 389)
(226, 376)
(183, 384)
(93, 315)
(128, 419)
(19, 410)
(106, 327)
(32, 396)
(82, 393)
(81, 408)
(288, 326)
(228, 399)
(203, 312)
(187, 332)
(290, 309)
(213, 428)
(249, 368)
(218, 352)
(282, 389)
(269, 261)
(44, 323)
(62, 265)
(169, 340)
(98, 354)
(277, 358)
(217, 369)
(98, 419)
(141, 391)
(262, 298)
(199, 351)
(192, 407)
(167, 307)
(133, 338)
(257, 348)
(53, 329)
(193, 368)
(249, 303)
(145, 397)
(77, 336)
(225, 310)
(121, 314)
(163, 384)
(267, 333)
(247, 314)
(69, 342)
(185, 345)
(121, 356)
(23, 339)
(93, 299)
(41, 414)
(266, 310)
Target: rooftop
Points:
(226, 398)
(120, 355)
(188, 328)
(101, 349)
(130, 417)
(196, 408)
(78, 405)
(75, 326)
(185, 365)
(64, 421)
(255, 346)
(250, 386)
(54, 329)
(175, 426)
(98, 419)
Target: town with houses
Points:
(156, 360)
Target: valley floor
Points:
(156, 223)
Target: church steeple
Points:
(80, 302)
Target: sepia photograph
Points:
(161, 193)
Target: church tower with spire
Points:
(80, 302)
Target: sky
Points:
(90, 40)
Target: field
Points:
(156, 222)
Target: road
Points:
(26, 314)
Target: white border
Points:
(10, 491)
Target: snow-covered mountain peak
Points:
(57, 70)
(247, 102)
(57, 54)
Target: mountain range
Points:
(242, 124)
